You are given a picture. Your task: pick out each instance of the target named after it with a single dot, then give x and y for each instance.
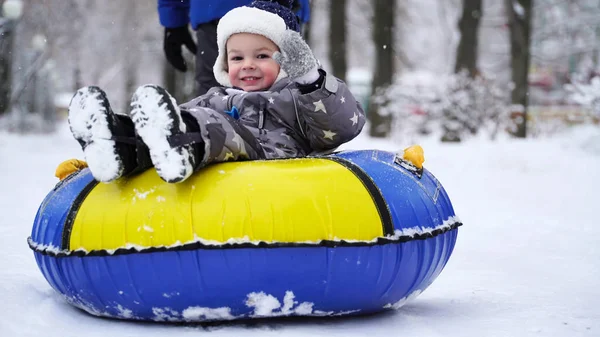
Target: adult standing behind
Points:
(203, 15)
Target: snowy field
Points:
(526, 263)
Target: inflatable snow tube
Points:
(349, 233)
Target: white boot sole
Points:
(154, 123)
(88, 121)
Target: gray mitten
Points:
(297, 59)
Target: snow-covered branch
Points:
(586, 94)
(423, 102)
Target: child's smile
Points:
(250, 64)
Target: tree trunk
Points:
(6, 52)
(77, 77)
(182, 86)
(306, 28)
(170, 79)
(466, 54)
(337, 38)
(466, 60)
(519, 21)
(383, 37)
(131, 52)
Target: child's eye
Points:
(236, 58)
(263, 56)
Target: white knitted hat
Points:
(246, 20)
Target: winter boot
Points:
(158, 123)
(96, 128)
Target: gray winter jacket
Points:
(278, 123)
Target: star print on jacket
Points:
(354, 119)
(319, 106)
(328, 134)
(282, 122)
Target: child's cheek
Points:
(271, 74)
(233, 72)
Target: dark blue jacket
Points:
(177, 13)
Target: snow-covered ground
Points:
(526, 263)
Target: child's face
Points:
(250, 62)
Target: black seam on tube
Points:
(374, 191)
(66, 234)
(44, 250)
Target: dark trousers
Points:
(135, 153)
(206, 37)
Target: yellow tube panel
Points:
(286, 201)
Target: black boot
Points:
(158, 123)
(107, 144)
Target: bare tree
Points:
(466, 55)
(131, 51)
(181, 85)
(466, 61)
(337, 38)
(564, 31)
(519, 22)
(307, 27)
(383, 37)
(61, 22)
(170, 79)
(6, 52)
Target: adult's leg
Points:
(206, 37)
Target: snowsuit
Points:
(204, 17)
(285, 121)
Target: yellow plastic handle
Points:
(415, 155)
(69, 167)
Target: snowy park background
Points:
(526, 262)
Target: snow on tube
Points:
(350, 233)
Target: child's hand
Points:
(297, 59)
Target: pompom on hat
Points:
(267, 18)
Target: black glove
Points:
(175, 38)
